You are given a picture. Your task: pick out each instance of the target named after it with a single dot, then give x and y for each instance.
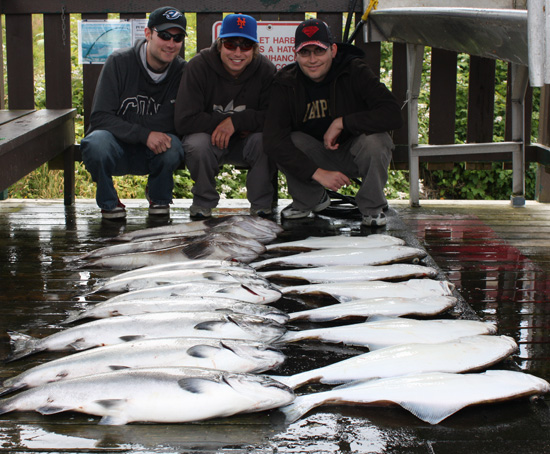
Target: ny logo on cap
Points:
(311, 30)
(241, 22)
(172, 14)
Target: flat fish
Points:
(345, 256)
(178, 277)
(326, 242)
(170, 242)
(461, 355)
(161, 395)
(192, 251)
(116, 308)
(348, 291)
(380, 332)
(432, 397)
(251, 293)
(127, 328)
(386, 306)
(231, 355)
(350, 273)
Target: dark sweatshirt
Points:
(129, 103)
(355, 94)
(208, 94)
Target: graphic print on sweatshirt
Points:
(140, 104)
(229, 109)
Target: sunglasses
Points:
(232, 45)
(317, 51)
(167, 36)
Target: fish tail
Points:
(22, 345)
(299, 407)
(6, 405)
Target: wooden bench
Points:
(30, 138)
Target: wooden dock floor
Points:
(496, 255)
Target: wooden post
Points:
(542, 188)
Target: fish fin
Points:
(22, 345)
(79, 344)
(131, 338)
(115, 367)
(72, 316)
(52, 409)
(113, 420)
(110, 403)
(202, 351)
(195, 385)
(430, 414)
(208, 326)
(196, 250)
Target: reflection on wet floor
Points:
(496, 280)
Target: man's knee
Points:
(98, 146)
(196, 144)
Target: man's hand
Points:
(333, 132)
(330, 179)
(158, 142)
(222, 133)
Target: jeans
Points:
(105, 156)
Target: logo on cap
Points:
(311, 30)
(172, 14)
(241, 22)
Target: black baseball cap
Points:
(165, 18)
(313, 32)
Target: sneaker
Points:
(199, 212)
(156, 209)
(262, 212)
(292, 213)
(374, 221)
(119, 212)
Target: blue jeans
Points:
(105, 156)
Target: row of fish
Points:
(201, 333)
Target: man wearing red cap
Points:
(220, 112)
(328, 121)
(132, 122)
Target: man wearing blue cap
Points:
(220, 111)
(132, 122)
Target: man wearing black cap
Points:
(220, 111)
(328, 121)
(132, 122)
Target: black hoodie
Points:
(129, 103)
(355, 94)
(208, 94)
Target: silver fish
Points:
(386, 306)
(116, 308)
(193, 251)
(185, 265)
(348, 273)
(180, 277)
(345, 256)
(163, 395)
(432, 397)
(126, 328)
(348, 291)
(380, 332)
(170, 242)
(259, 294)
(460, 355)
(325, 242)
(248, 223)
(231, 355)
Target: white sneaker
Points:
(262, 212)
(199, 212)
(292, 213)
(374, 221)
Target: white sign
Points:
(276, 40)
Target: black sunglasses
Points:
(167, 36)
(232, 45)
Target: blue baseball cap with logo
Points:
(167, 17)
(239, 25)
